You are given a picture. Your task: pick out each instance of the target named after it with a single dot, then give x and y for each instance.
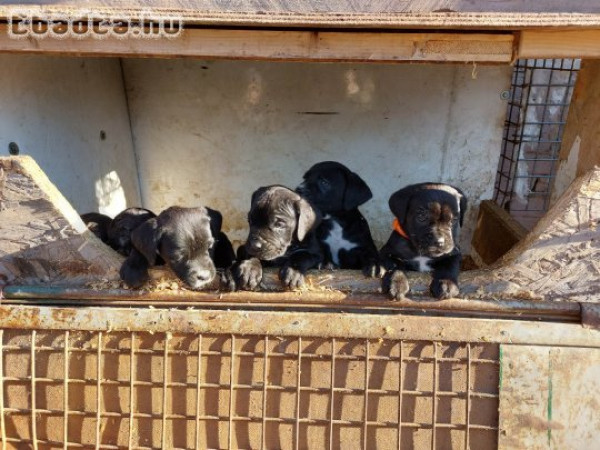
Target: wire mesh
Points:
(541, 91)
(133, 390)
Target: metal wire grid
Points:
(541, 91)
(138, 391)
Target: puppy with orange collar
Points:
(425, 238)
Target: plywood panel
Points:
(343, 13)
(549, 397)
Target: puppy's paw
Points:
(443, 289)
(373, 270)
(395, 284)
(291, 277)
(329, 266)
(135, 277)
(247, 274)
(228, 280)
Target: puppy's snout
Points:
(254, 244)
(440, 241)
(201, 276)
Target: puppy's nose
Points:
(255, 244)
(202, 275)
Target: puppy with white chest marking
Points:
(425, 238)
(343, 233)
(189, 240)
(282, 234)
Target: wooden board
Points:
(42, 238)
(494, 221)
(342, 13)
(559, 44)
(284, 45)
(549, 397)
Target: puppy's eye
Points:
(324, 183)
(278, 223)
(422, 217)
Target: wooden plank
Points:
(283, 45)
(422, 14)
(580, 149)
(559, 44)
(43, 239)
(494, 221)
(549, 397)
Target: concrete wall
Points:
(212, 132)
(55, 110)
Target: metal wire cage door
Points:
(118, 389)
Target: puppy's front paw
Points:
(247, 275)
(443, 289)
(328, 266)
(292, 278)
(228, 280)
(373, 270)
(395, 284)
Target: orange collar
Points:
(398, 229)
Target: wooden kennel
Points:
(513, 363)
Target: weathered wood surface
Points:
(338, 13)
(559, 259)
(494, 221)
(549, 397)
(277, 45)
(42, 238)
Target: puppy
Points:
(425, 238)
(189, 240)
(121, 227)
(282, 233)
(344, 233)
(98, 224)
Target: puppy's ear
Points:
(357, 192)
(308, 218)
(216, 221)
(145, 239)
(400, 200)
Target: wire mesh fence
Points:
(138, 390)
(540, 95)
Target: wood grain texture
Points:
(422, 14)
(284, 45)
(42, 238)
(559, 44)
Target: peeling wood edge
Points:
(303, 324)
(378, 19)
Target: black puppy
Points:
(121, 227)
(98, 224)
(282, 233)
(188, 239)
(426, 231)
(343, 233)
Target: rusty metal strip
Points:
(590, 315)
(2, 423)
(544, 310)
(307, 324)
(66, 391)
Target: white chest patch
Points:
(423, 263)
(336, 242)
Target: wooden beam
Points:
(559, 44)
(282, 45)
